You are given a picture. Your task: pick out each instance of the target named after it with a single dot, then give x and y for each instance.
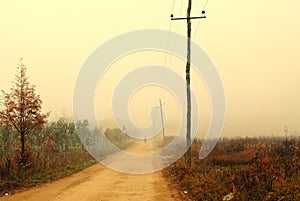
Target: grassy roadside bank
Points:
(240, 169)
(22, 181)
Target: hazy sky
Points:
(254, 44)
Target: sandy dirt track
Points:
(98, 183)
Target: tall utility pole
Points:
(162, 121)
(188, 78)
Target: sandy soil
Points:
(98, 183)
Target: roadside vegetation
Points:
(33, 150)
(241, 169)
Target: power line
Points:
(168, 41)
(197, 27)
(167, 45)
(205, 5)
(173, 6)
(196, 30)
(177, 29)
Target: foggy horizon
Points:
(257, 59)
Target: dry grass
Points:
(264, 169)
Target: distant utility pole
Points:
(188, 79)
(162, 120)
(286, 133)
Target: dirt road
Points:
(98, 183)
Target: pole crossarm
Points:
(185, 18)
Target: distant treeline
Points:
(34, 150)
(52, 152)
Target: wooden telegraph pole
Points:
(162, 120)
(188, 78)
